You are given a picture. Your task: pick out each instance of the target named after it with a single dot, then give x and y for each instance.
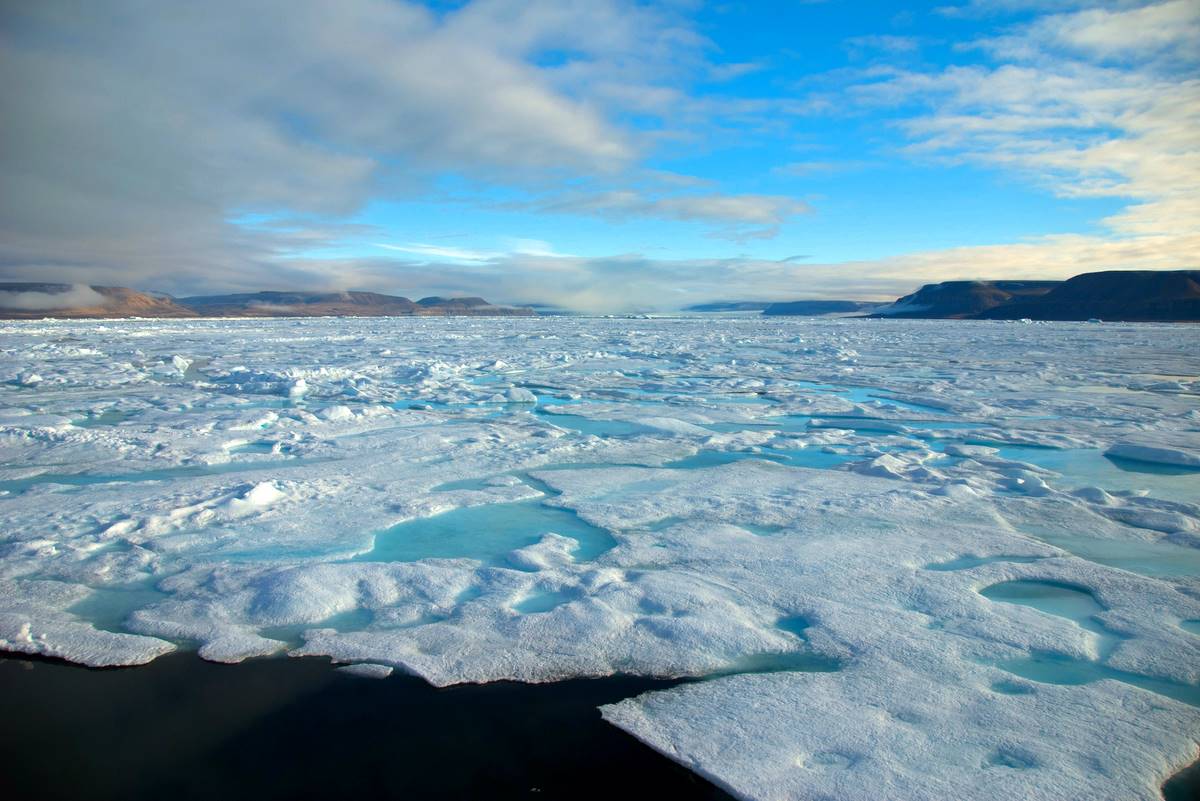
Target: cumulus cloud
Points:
(73, 296)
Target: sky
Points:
(599, 155)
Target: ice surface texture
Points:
(906, 559)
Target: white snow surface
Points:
(809, 515)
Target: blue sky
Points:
(603, 155)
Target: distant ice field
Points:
(909, 559)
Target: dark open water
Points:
(182, 728)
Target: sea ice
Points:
(843, 530)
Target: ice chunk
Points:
(367, 670)
(674, 426)
(520, 395)
(336, 414)
(260, 496)
(1175, 448)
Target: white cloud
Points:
(441, 252)
(797, 169)
(1056, 112)
(859, 46)
(734, 70)
(747, 216)
(1169, 28)
(983, 8)
(535, 247)
(515, 245)
(74, 296)
(134, 131)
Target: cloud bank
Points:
(135, 131)
(76, 296)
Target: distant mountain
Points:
(37, 300)
(470, 306)
(729, 306)
(341, 304)
(467, 303)
(23, 301)
(812, 308)
(1132, 295)
(301, 304)
(1129, 295)
(963, 299)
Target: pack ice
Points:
(901, 559)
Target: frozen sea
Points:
(901, 559)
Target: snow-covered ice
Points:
(912, 559)
(1169, 448)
